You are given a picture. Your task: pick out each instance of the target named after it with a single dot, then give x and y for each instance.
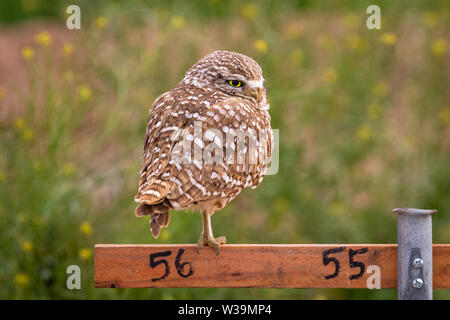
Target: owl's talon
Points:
(199, 246)
(212, 243)
(221, 240)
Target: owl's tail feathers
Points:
(153, 193)
(159, 215)
(152, 201)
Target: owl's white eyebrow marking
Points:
(256, 83)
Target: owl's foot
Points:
(211, 242)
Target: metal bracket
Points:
(415, 254)
(417, 288)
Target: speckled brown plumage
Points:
(204, 100)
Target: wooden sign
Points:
(262, 266)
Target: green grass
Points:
(363, 115)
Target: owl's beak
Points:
(256, 89)
(256, 92)
(260, 94)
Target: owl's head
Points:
(232, 73)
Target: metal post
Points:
(415, 254)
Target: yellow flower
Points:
(27, 245)
(337, 208)
(261, 46)
(249, 11)
(19, 123)
(320, 297)
(165, 235)
(374, 110)
(330, 75)
(43, 38)
(67, 49)
(380, 89)
(356, 42)
(101, 22)
(21, 280)
(297, 56)
(439, 47)
(177, 22)
(86, 228)
(430, 19)
(85, 92)
(444, 115)
(27, 134)
(364, 133)
(388, 38)
(2, 93)
(85, 254)
(68, 169)
(27, 53)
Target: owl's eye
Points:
(235, 83)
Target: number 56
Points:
(178, 265)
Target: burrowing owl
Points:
(206, 140)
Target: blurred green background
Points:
(364, 119)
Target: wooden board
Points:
(262, 266)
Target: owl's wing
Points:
(157, 149)
(218, 174)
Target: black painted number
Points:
(154, 263)
(326, 259)
(180, 267)
(356, 264)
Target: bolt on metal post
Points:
(415, 254)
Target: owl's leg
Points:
(207, 238)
